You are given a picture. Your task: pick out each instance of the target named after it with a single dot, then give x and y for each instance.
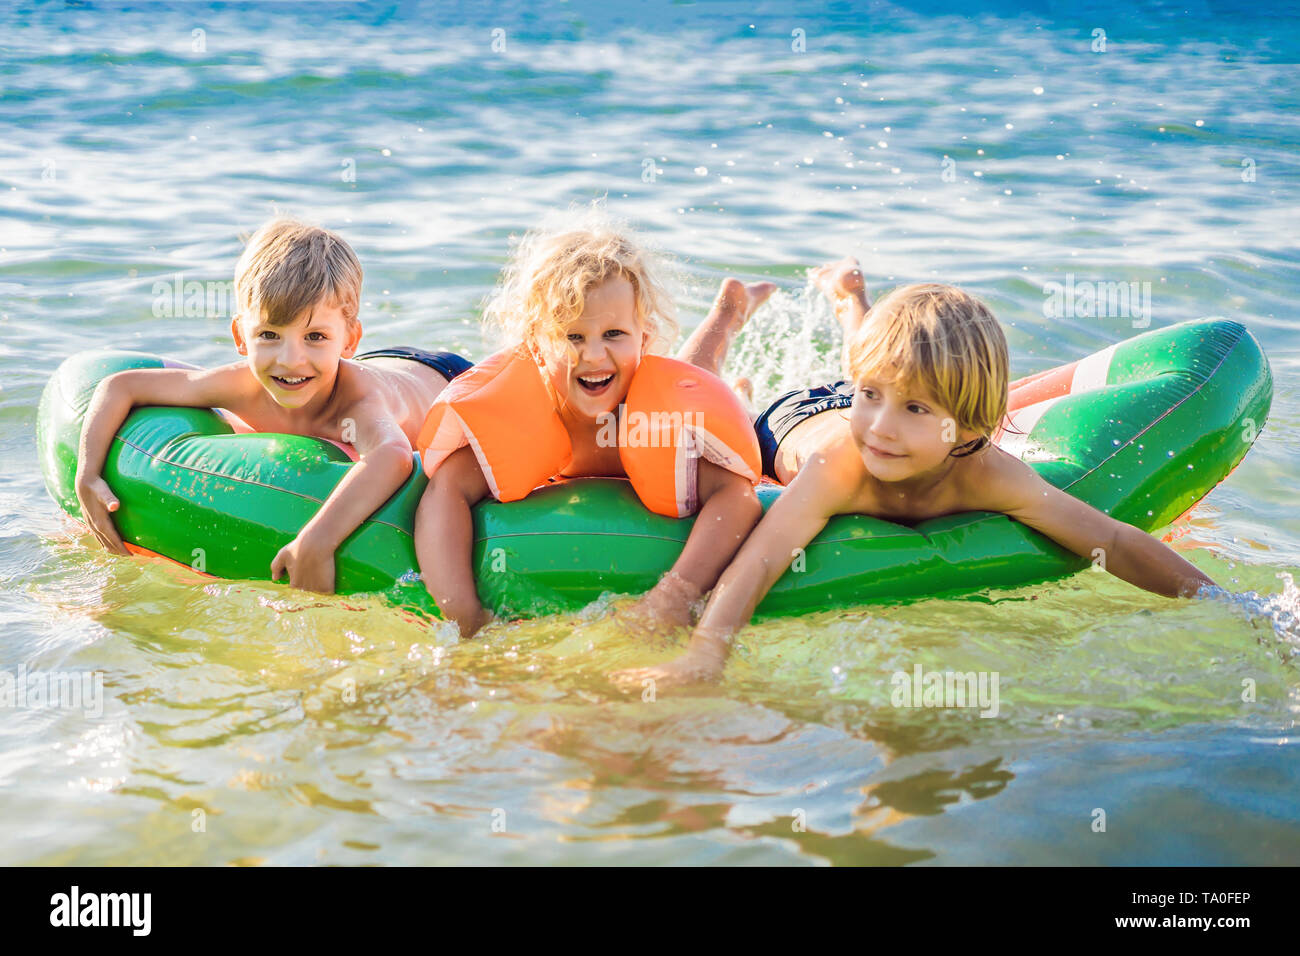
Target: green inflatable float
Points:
(1141, 430)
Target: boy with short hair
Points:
(298, 291)
(906, 438)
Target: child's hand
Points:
(693, 667)
(704, 660)
(652, 615)
(310, 566)
(470, 624)
(97, 502)
(663, 609)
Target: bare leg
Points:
(736, 302)
(843, 284)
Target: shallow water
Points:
(242, 723)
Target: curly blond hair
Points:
(940, 338)
(544, 287)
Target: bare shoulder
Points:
(1018, 491)
(367, 407)
(397, 375)
(993, 480)
(833, 474)
(405, 388)
(362, 393)
(355, 384)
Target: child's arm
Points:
(1120, 548)
(384, 462)
(444, 539)
(798, 515)
(729, 509)
(226, 387)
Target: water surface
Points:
(243, 723)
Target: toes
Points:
(759, 292)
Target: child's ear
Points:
(968, 442)
(352, 340)
(237, 332)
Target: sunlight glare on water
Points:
(306, 730)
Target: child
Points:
(929, 389)
(297, 289)
(578, 392)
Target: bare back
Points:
(406, 386)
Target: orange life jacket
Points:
(675, 414)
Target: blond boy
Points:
(298, 290)
(906, 438)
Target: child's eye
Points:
(321, 334)
(265, 332)
(919, 409)
(610, 333)
(867, 392)
(575, 337)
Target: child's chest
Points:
(268, 416)
(591, 460)
(891, 505)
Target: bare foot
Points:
(843, 284)
(745, 389)
(736, 302)
(840, 279)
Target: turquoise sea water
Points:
(1001, 150)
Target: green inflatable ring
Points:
(1141, 430)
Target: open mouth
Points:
(291, 383)
(595, 384)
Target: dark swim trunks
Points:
(792, 408)
(446, 364)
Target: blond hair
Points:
(544, 287)
(942, 339)
(289, 266)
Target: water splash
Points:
(1281, 611)
(793, 341)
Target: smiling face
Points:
(299, 362)
(901, 431)
(592, 376)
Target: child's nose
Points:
(291, 352)
(883, 425)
